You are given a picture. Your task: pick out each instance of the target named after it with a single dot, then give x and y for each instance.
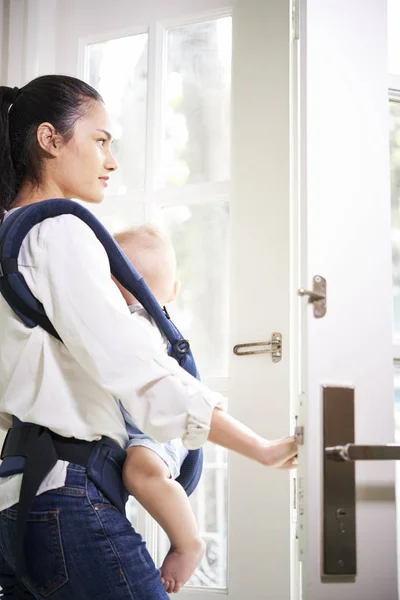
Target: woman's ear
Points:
(175, 291)
(48, 139)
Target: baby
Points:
(151, 468)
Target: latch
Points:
(273, 347)
(299, 435)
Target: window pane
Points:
(395, 193)
(119, 213)
(209, 503)
(118, 70)
(132, 511)
(196, 110)
(199, 233)
(393, 36)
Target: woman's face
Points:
(85, 163)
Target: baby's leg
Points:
(147, 477)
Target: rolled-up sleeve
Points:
(86, 308)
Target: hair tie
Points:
(14, 94)
(11, 95)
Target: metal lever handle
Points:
(317, 296)
(313, 296)
(350, 452)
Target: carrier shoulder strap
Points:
(16, 292)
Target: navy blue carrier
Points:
(34, 450)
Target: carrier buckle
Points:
(181, 346)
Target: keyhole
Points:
(340, 515)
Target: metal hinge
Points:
(275, 348)
(295, 19)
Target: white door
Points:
(219, 179)
(346, 239)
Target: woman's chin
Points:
(93, 198)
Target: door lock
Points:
(273, 347)
(339, 488)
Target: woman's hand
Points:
(226, 431)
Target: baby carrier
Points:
(34, 450)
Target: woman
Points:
(55, 142)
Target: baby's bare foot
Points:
(180, 564)
(279, 452)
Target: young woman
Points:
(55, 142)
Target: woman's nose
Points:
(111, 163)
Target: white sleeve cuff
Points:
(200, 411)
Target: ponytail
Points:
(7, 172)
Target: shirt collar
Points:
(135, 307)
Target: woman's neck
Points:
(30, 193)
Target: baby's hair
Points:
(152, 253)
(147, 232)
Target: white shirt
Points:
(73, 387)
(138, 312)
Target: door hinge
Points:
(295, 20)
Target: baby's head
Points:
(152, 253)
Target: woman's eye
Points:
(102, 141)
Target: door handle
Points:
(350, 452)
(317, 296)
(340, 453)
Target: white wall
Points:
(3, 42)
(27, 45)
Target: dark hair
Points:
(56, 99)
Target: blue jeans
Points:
(78, 547)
